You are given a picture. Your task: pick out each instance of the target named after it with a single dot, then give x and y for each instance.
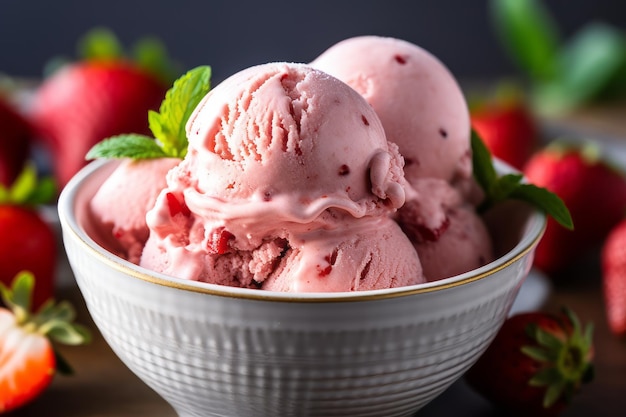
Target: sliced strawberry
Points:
(28, 361)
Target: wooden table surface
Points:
(104, 387)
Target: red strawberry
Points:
(28, 360)
(535, 364)
(16, 134)
(85, 102)
(594, 192)
(27, 241)
(613, 259)
(508, 128)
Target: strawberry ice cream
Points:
(121, 203)
(424, 112)
(289, 184)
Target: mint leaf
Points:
(529, 34)
(168, 125)
(127, 146)
(545, 200)
(511, 186)
(484, 171)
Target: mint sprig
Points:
(499, 188)
(167, 125)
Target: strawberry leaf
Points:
(151, 55)
(62, 366)
(66, 333)
(511, 186)
(127, 146)
(28, 189)
(100, 44)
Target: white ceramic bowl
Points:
(211, 350)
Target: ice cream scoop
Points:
(286, 165)
(417, 99)
(120, 205)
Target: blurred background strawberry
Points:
(105, 93)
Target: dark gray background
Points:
(231, 35)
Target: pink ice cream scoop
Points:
(288, 185)
(419, 102)
(120, 205)
(449, 236)
(424, 112)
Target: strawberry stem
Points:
(565, 355)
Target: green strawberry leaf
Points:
(167, 125)
(529, 34)
(100, 44)
(127, 146)
(28, 189)
(151, 55)
(62, 365)
(511, 186)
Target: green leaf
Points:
(28, 189)
(62, 365)
(537, 353)
(548, 340)
(151, 55)
(588, 64)
(64, 332)
(546, 201)
(44, 192)
(127, 146)
(529, 34)
(484, 171)
(553, 393)
(168, 125)
(545, 377)
(100, 44)
(22, 288)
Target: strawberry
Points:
(27, 241)
(613, 263)
(28, 360)
(594, 192)
(507, 127)
(535, 364)
(87, 101)
(16, 136)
